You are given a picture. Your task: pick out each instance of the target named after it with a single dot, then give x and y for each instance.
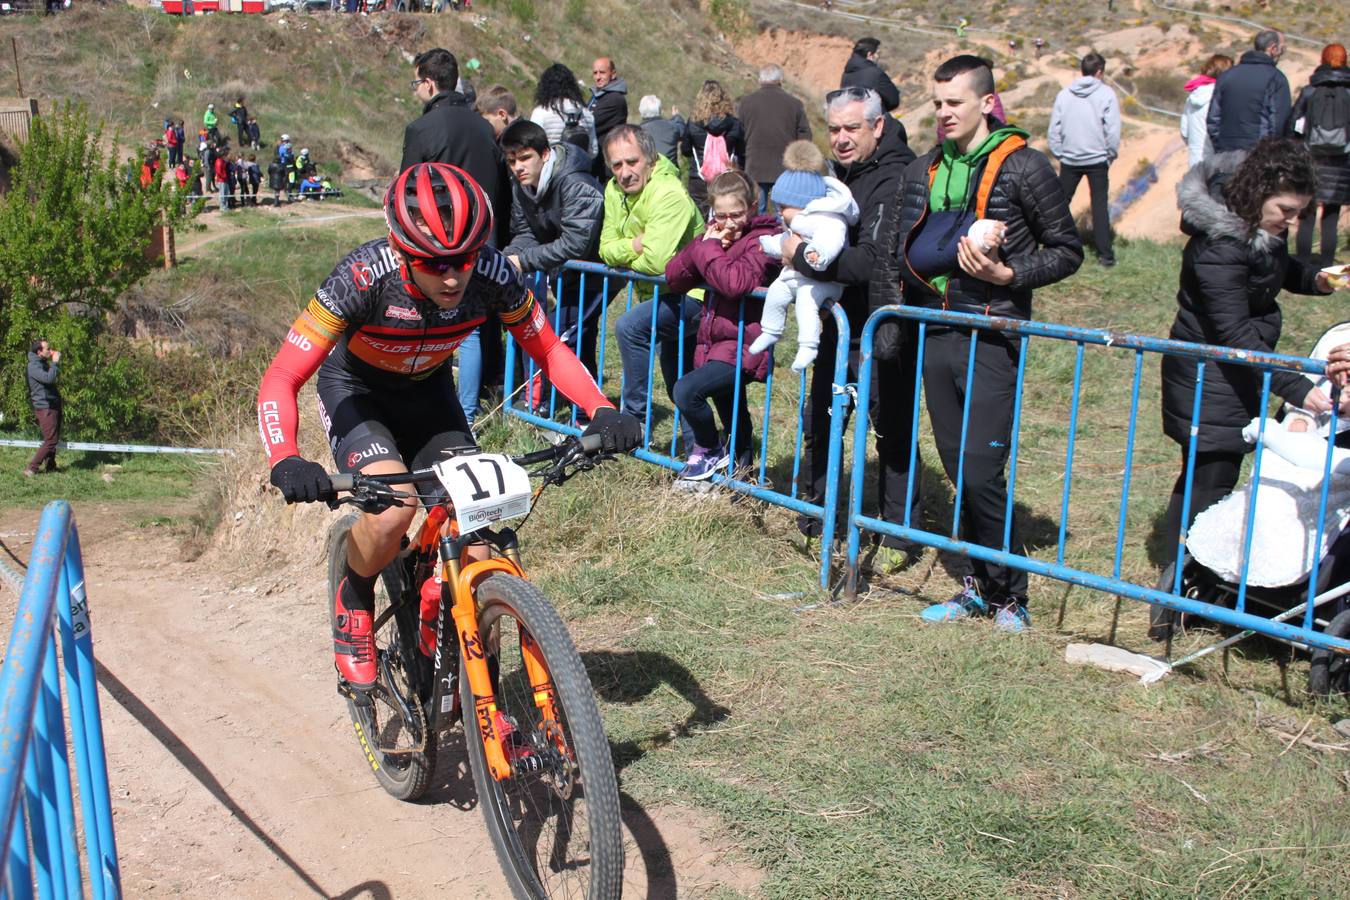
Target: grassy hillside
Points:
(339, 84)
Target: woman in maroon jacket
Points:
(729, 260)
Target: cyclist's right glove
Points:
(619, 432)
(301, 481)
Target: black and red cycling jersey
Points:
(367, 323)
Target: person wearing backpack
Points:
(714, 140)
(560, 110)
(1322, 116)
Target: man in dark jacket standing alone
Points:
(1250, 100)
(772, 119)
(940, 267)
(862, 71)
(46, 399)
(870, 155)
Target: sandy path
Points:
(234, 772)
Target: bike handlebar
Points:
(588, 445)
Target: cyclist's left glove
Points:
(301, 481)
(619, 432)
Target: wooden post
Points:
(170, 252)
(14, 46)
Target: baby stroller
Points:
(1288, 499)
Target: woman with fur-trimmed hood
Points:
(1237, 207)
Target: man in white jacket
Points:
(1085, 138)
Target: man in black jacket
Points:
(940, 267)
(556, 214)
(863, 71)
(869, 156)
(609, 106)
(1250, 100)
(45, 396)
(449, 131)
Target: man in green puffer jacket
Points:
(649, 217)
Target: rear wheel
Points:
(1330, 671)
(555, 821)
(388, 719)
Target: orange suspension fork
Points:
(464, 613)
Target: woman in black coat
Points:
(1237, 208)
(1326, 96)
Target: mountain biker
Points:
(379, 332)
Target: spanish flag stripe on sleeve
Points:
(520, 313)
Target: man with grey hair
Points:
(1251, 100)
(870, 155)
(665, 132)
(772, 118)
(649, 217)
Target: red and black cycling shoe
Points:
(353, 644)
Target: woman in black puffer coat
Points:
(1237, 208)
(1328, 90)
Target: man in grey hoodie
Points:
(1085, 138)
(46, 399)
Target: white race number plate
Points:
(485, 488)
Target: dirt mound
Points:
(813, 61)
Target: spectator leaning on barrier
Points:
(648, 218)
(1085, 138)
(1250, 100)
(729, 259)
(556, 210)
(981, 164)
(1237, 209)
(450, 132)
(772, 119)
(45, 396)
(870, 154)
(1199, 91)
(497, 105)
(713, 140)
(665, 132)
(560, 110)
(1322, 117)
(863, 71)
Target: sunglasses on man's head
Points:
(461, 263)
(855, 93)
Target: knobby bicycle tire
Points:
(1329, 672)
(556, 831)
(395, 744)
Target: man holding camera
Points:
(46, 399)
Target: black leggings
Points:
(1216, 474)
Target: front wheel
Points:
(555, 821)
(388, 719)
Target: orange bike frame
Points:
(464, 575)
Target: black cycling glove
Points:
(301, 481)
(619, 432)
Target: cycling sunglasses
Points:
(441, 266)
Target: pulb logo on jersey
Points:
(496, 268)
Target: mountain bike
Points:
(536, 746)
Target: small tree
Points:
(74, 230)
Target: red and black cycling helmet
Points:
(455, 211)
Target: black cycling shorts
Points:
(409, 424)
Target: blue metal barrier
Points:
(1021, 331)
(757, 486)
(39, 824)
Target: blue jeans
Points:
(764, 188)
(633, 333)
(470, 376)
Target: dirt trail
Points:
(234, 771)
